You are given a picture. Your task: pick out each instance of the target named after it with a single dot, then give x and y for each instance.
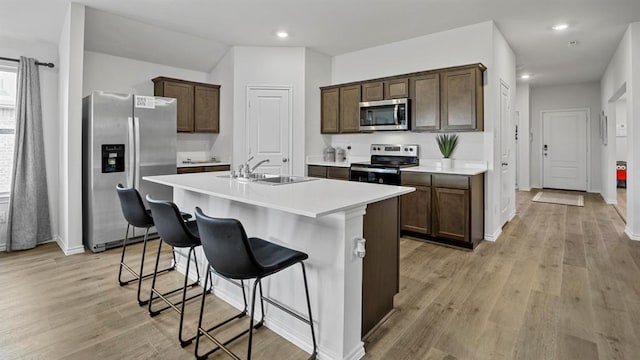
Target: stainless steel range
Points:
(386, 162)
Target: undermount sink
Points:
(281, 180)
(270, 179)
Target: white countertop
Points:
(313, 198)
(216, 163)
(345, 164)
(436, 169)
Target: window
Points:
(7, 125)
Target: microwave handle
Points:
(395, 114)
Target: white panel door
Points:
(507, 184)
(564, 150)
(268, 129)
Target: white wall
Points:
(524, 136)
(619, 78)
(621, 121)
(129, 76)
(46, 52)
(70, 51)
(479, 43)
(269, 66)
(496, 188)
(317, 73)
(223, 75)
(586, 95)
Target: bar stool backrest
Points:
(226, 247)
(170, 225)
(133, 208)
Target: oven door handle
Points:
(375, 170)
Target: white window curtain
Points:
(28, 220)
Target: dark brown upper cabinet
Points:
(373, 91)
(350, 109)
(450, 99)
(330, 111)
(198, 103)
(425, 102)
(206, 109)
(461, 99)
(396, 88)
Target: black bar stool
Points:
(137, 216)
(235, 256)
(178, 234)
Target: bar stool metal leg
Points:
(155, 294)
(138, 276)
(306, 292)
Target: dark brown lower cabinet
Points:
(198, 169)
(451, 214)
(416, 210)
(450, 211)
(380, 268)
(328, 172)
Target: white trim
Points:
(68, 251)
(494, 236)
(525, 189)
(589, 152)
(289, 89)
(630, 234)
(511, 216)
(3, 247)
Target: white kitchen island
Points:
(321, 217)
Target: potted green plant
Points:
(447, 144)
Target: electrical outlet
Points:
(3, 217)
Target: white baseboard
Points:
(512, 215)
(3, 247)
(494, 236)
(631, 235)
(525, 189)
(67, 250)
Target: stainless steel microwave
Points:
(384, 115)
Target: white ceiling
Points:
(196, 33)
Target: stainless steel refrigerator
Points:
(125, 137)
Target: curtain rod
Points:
(49, 65)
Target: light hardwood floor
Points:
(621, 196)
(562, 282)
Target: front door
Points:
(507, 183)
(268, 129)
(564, 150)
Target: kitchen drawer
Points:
(451, 181)
(216, 168)
(415, 178)
(189, 170)
(317, 171)
(338, 173)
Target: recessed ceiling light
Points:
(560, 27)
(525, 76)
(282, 34)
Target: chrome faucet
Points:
(245, 171)
(258, 164)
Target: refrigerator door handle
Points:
(136, 129)
(132, 155)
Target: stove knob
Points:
(381, 181)
(406, 149)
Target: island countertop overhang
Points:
(315, 198)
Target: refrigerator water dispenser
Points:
(112, 158)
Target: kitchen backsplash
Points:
(471, 145)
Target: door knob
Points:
(284, 160)
(505, 164)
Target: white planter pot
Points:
(446, 164)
